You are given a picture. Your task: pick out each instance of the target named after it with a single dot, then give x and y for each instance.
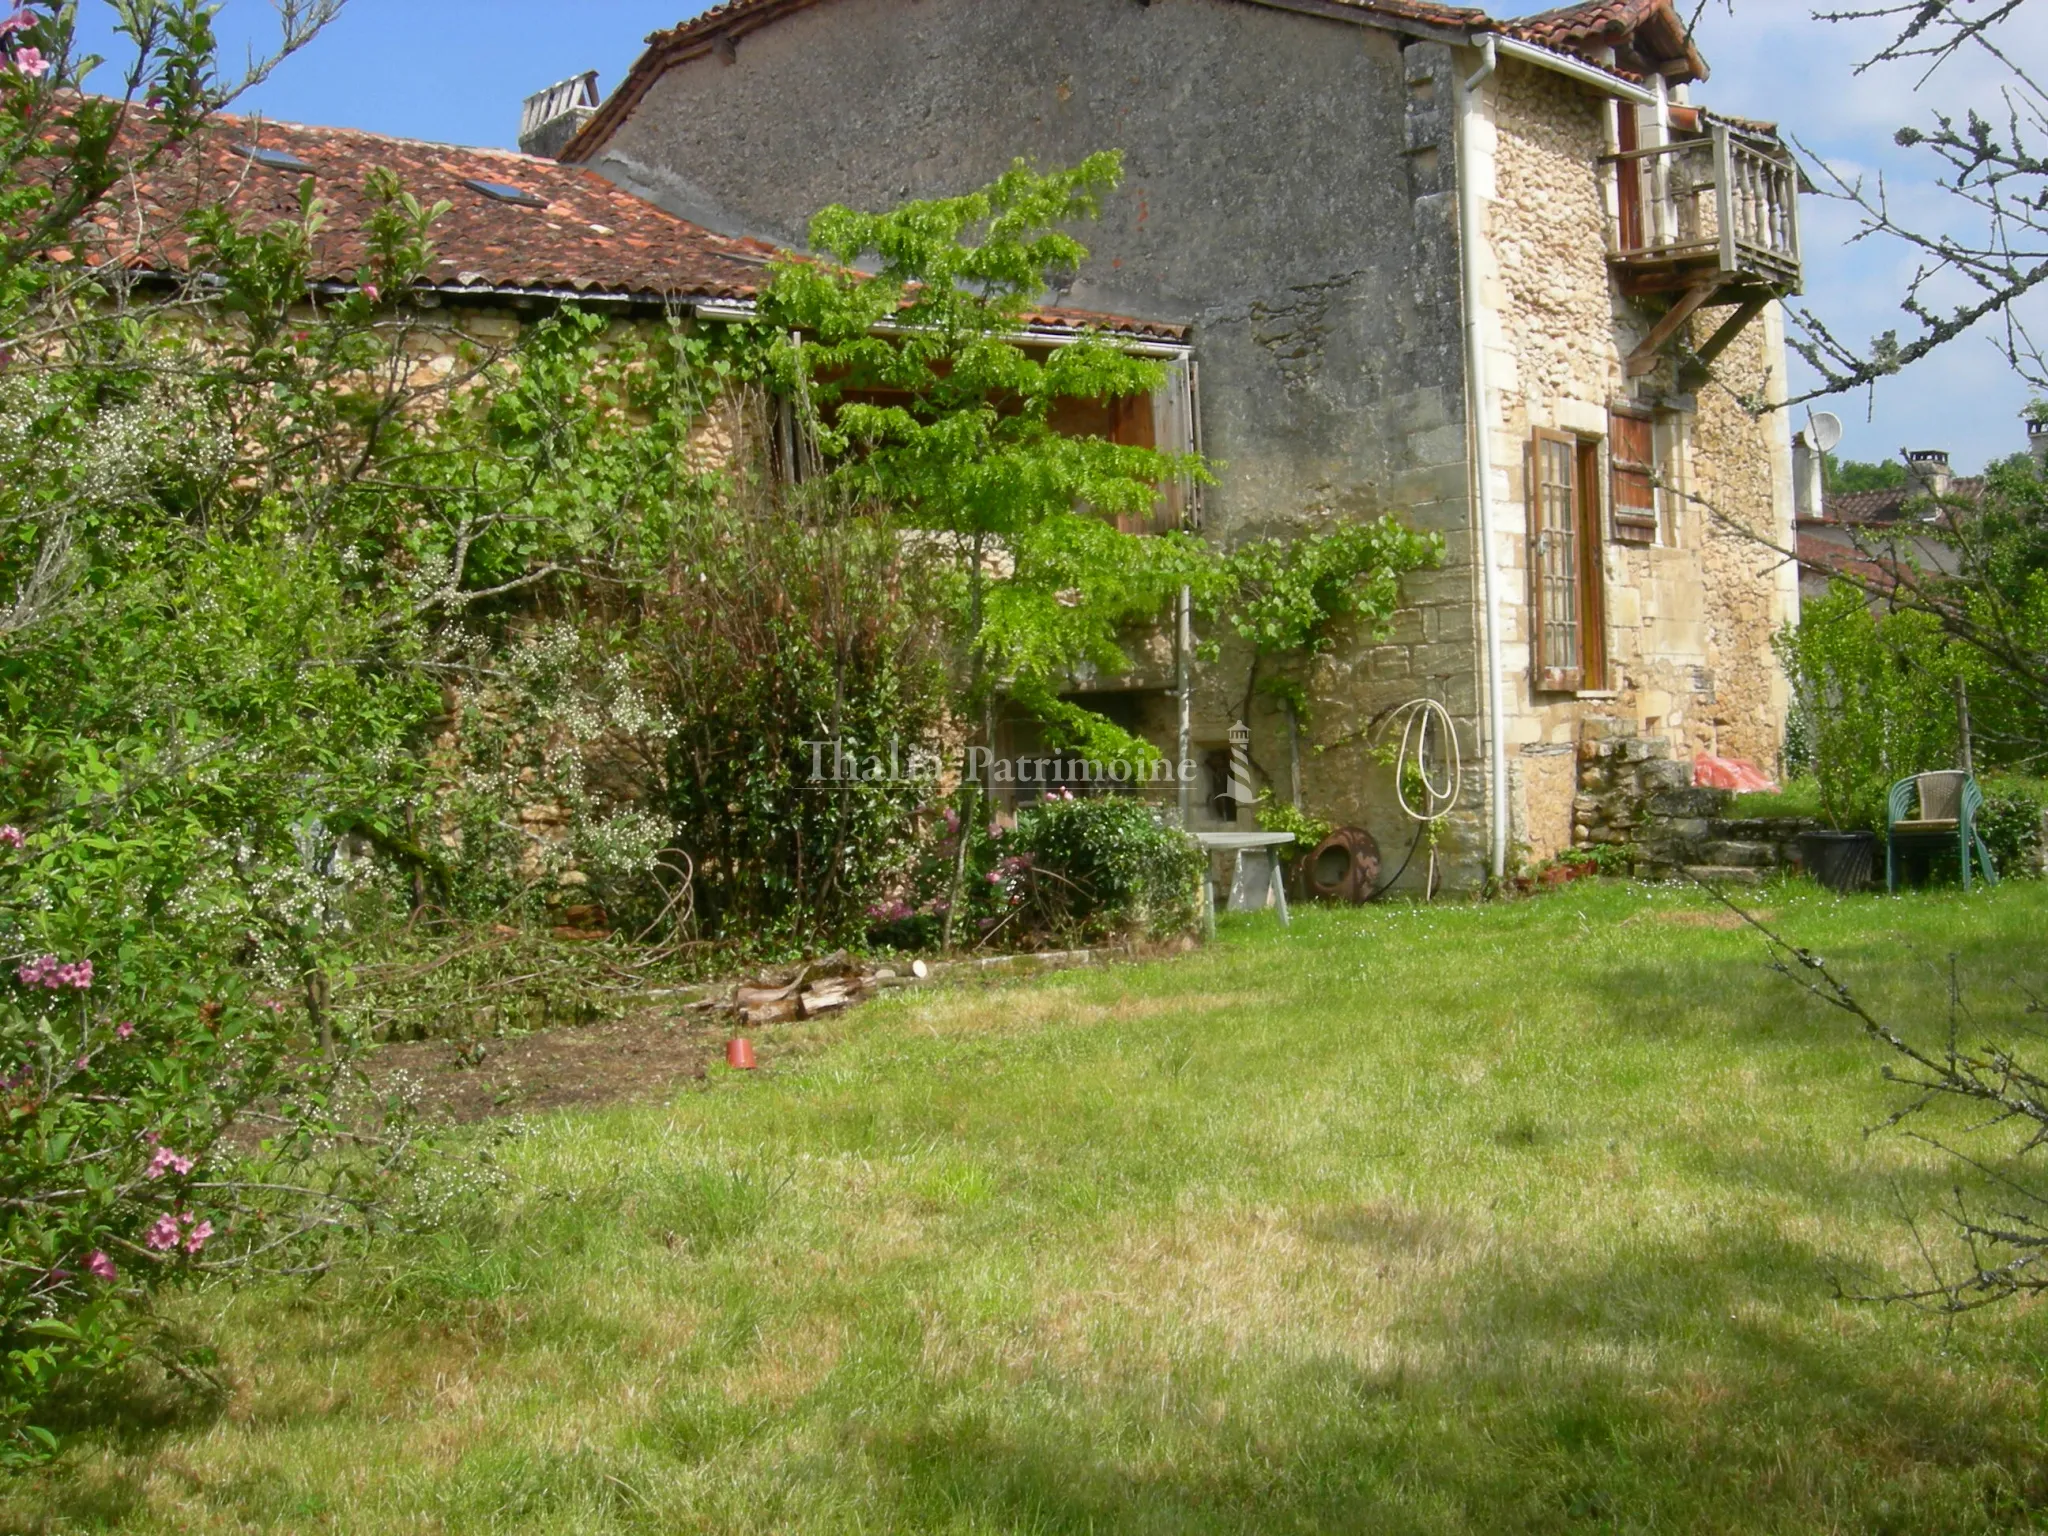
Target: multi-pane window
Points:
(1565, 564)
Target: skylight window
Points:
(278, 159)
(504, 192)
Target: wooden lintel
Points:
(1717, 343)
(1644, 359)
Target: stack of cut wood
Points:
(813, 989)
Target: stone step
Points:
(1777, 828)
(1725, 855)
(1727, 874)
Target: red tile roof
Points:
(1876, 508)
(1819, 555)
(1644, 33)
(591, 240)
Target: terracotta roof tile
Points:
(591, 238)
(1876, 508)
(1644, 33)
(1593, 21)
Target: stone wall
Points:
(1289, 193)
(1635, 794)
(1689, 619)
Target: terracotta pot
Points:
(739, 1054)
(1345, 866)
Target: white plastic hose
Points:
(1424, 723)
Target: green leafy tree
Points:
(1846, 477)
(922, 401)
(1289, 597)
(1875, 694)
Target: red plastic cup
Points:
(739, 1054)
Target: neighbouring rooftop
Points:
(517, 225)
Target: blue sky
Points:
(456, 71)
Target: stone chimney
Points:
(553, 116)
(2037, 440)
(1927, 470)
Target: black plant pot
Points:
(1841, 861)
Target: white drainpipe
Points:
(1478, 408)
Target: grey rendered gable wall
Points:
(1288, 193)
(1270, 192)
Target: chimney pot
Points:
(1927, 468)
(551, 118)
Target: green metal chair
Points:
(1944, 805)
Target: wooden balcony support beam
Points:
(1644, 359)
(1731, 328)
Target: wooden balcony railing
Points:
(1719, 206)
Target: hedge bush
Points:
(1101, 867)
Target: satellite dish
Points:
(1824, 430)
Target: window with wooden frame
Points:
(1632, 459)
(1169, 421)
(1566, 570)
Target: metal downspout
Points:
(1479, 405)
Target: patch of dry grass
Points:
(1411, 1220)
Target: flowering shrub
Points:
(1098, 867)
(151, 1122)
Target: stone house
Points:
(1505, 279)
(521, 236)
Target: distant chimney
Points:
(2037, 439)
(1927, 469)
(553, 116)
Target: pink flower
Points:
(30, 62)
(100, 1265)
(166, 1161)
(198, 1237)
(370, 292)
(995, 877)
(11, 837)
(53, 975)
(124, 1030)
(163, 1234)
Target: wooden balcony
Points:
(1708, 219)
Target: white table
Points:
(1256, 879)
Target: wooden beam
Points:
(1644, 359)
(1717, 343)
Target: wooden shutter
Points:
(1632, 450)
(1555, 562)
(1175, 430)
(1592, 572)
(1628, 179)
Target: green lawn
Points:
(1510, 1218)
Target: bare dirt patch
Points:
(1697, 919)
(640, 1059)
